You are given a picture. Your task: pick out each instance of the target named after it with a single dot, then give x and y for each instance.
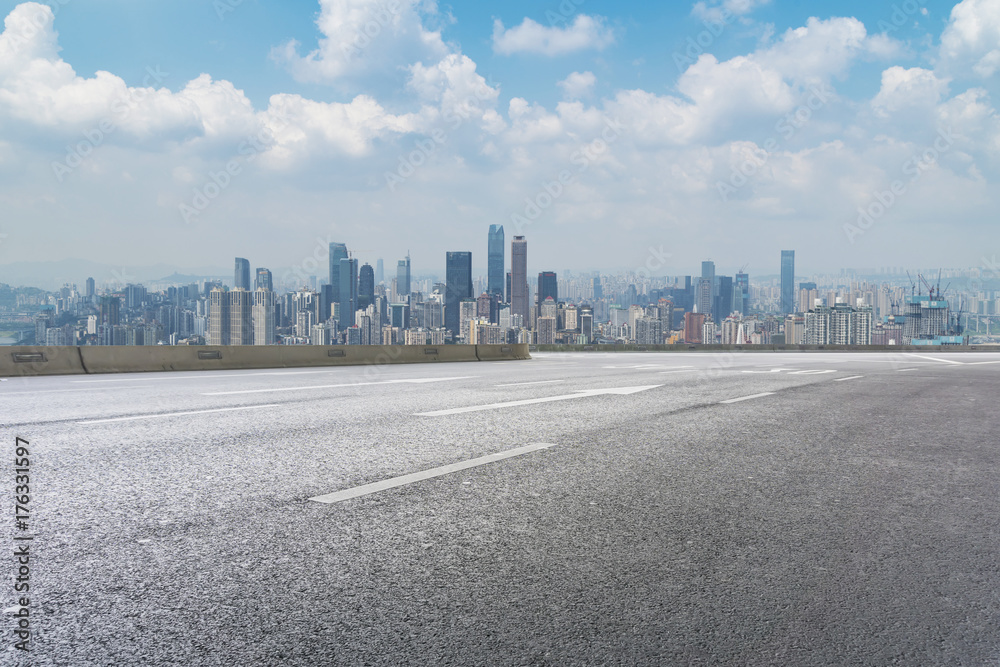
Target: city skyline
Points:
(602, 132)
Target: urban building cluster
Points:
(361, 305)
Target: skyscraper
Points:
(338, 251)
(741, 293)
(548, 286)
(379, 272)
(519, 278)
(787, 281)
(403, 278)
(495, 261)
(366, 286)
(240, 317)
(90, 288)
(458, 280)
(241, 278)
(708, 272)
(263, 280)
(218, 317)
(348, 300)
(598, 289)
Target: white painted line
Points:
(526, 384)
(623, 391)
(773, 370)
(943, 361)
(747, 398)
(272, 390)
(980, 363)
(681, 370)
(903, 370)
(394, 482)
(853, 377)
(178, 414)
(812, 372)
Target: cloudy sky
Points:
(611, 134)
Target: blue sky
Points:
(602, 131)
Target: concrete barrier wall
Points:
(683, 347)
(26, 361)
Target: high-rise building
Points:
(519, 278)
(110, 309)
(708, 273)
(348, 291)
(548, 286)
(495, 261)
(723, 302)
(694, 327)
(787, 281)
(403, 278)
(366, 286)
(240, 317)
(379, 272)
(90, 288)
(262, 316)
(338, 251)
(241, 277)
(458, 272)
(598, 289)
(741, 293)
(263, 280)
(704, 296)
(218, 317)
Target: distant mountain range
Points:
(55, 274)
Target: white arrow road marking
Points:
(392, 483)
(177, 414)
(943, 361)
(526, 384)
(334, 386)
(747, 398)
(583, 393)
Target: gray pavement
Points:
(844, 512)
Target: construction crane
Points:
(913, 285)
(930, 289)
(743, 269)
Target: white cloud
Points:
(907, 88)
(586, 32)
(971, 38)
(824, 48)
(362, 38)
(578, 85)
(714, 11)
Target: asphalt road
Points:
(746, 509)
